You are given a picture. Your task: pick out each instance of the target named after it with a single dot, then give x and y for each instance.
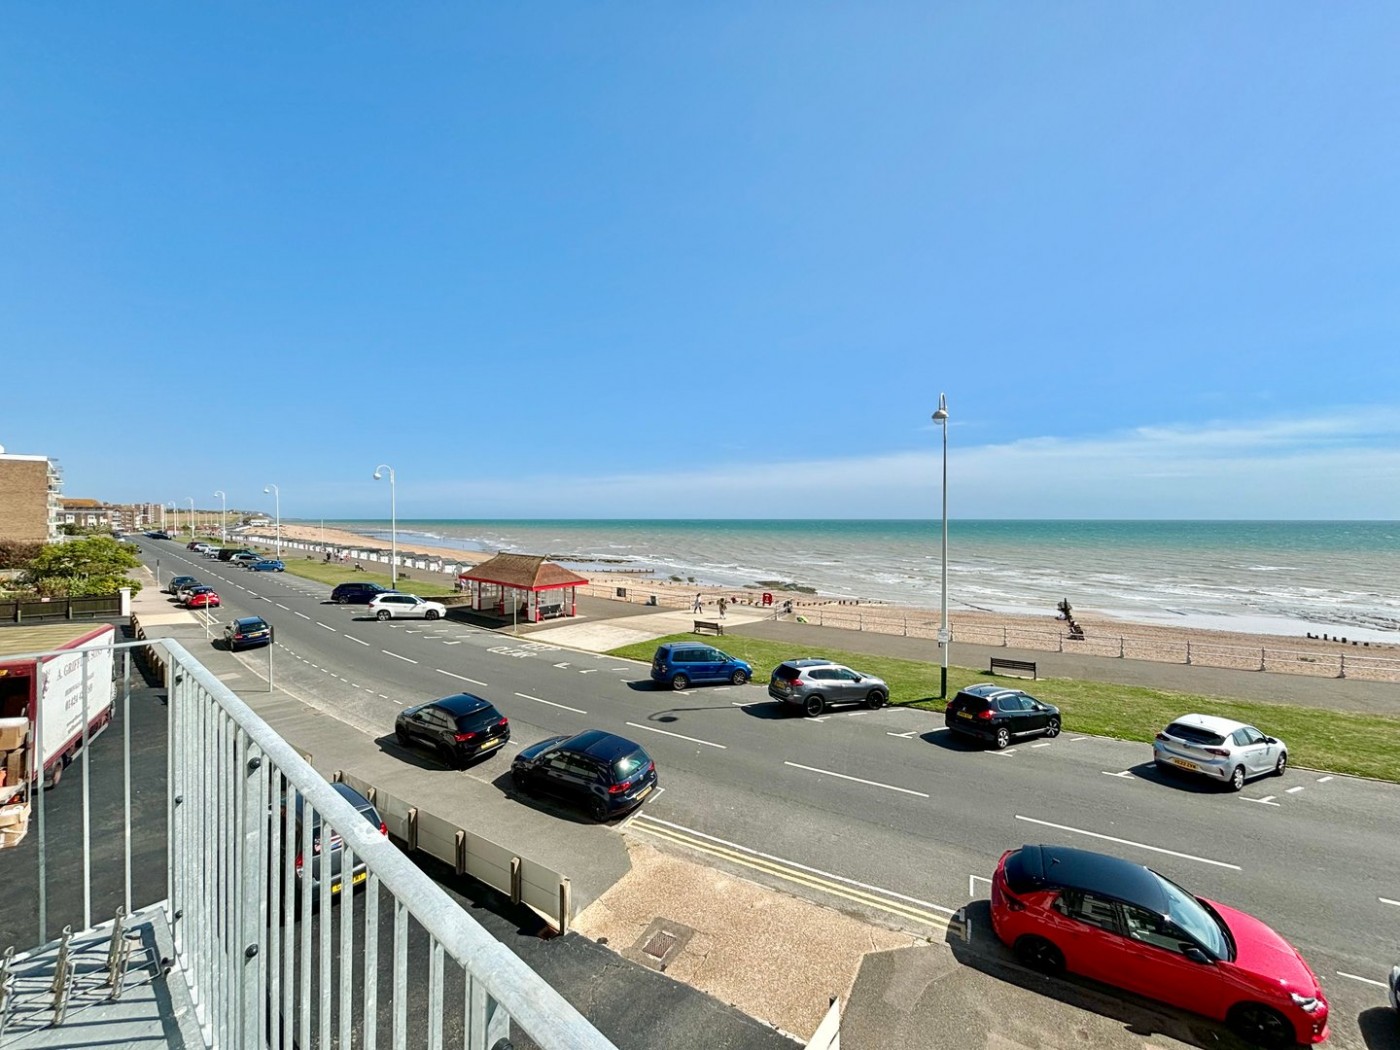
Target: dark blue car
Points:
(598, 772)
(266, 565)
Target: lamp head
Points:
(377, 475)
(266, 489)
(941, 416)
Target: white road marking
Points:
(1294, 790)
(1001, 754)
(972, 881)
(382, 696)
(1363, 980)
(1076, 739)
(1323, 780)
(592, 670)
(302, 615)
(1125, 773)
(354, 639)
(564, 664)
(1046, 744)
(399, 702)
(551, 703)
(736, 703)
(1267, 800)
(452, 643)
(638, 811)
(281, 606)
(678, 736)
(327, 627)
(648, 818)
(396, 656)
(858, 780)
(460, 677)
(354, 685)
(902, 736)
(1128, 842)
(1387, 900)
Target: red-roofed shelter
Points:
(536, 589)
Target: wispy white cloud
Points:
(1339, 466)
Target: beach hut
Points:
(528, 585)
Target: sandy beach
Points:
(1103, 635)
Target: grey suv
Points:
(814, 685)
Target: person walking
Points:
(697, 605)
(722, 604)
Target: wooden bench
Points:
(1020, 668)
(708, 627)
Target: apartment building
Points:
(85, 513)
(30, 493)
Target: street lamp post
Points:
(941, 418)
(191, 499)
(277, 503)
(223, 515)
(393, 525)
(174, 515)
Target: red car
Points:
(1123, 924)
(202, 598)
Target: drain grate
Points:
(659, 945)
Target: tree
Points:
(95, 565)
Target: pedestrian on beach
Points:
(697, 605)
(722, 604)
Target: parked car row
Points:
(189, 592)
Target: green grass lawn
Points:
(417, 581)
(1361, 745)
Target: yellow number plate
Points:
(1184, 764)
(496, 742)
(964, 714)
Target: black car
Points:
(246, 632)
(176, 582)
(601, 773)
(999, 715)
(458, 728)
(356, 593)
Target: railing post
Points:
(565, 903)
(1120, 647)
(1262, 652)
(1342, 668)
(1188, 654)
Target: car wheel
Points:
(813, 706)
(1003, 738)
(449, 757)
(875, 700)
(1237, 779)
(1036, 953)
(382, 614)
(1260, 1025)
(401, 737)
(520, 780)
(679, 682)
(598, 809)
(739, 677)
(1281, 766)
(1052, 727)
(431, 614)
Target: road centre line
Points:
(460, 677)
(1128, 842)
(858, 780)
(302, 615)
(396, 656)
(735, 851)
(354, 639)
(1363, 980)
(663, 732)
(281, 606)
(327, 627)
(551, 703)
(1387, 900)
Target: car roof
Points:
(988, 690)
(346, 792)
(604, 746)
(244, 621)
(811, 661)
(461, 704)
(1063, 867)
(1220, 726)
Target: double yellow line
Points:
(904, 911)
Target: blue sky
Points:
(621, 260)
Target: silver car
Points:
(1219, 748)
(814, 685)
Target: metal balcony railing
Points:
(272, 953)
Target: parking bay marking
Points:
(551, 703)
(1267, 800)
(354, 639)
(828, 882)
(858, 780)
(396, 656)
(678, 736)
(1363, 980)
(1387, 900)
(1128, 842)
(460, 677)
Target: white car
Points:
(1224, 750)
(394, 605)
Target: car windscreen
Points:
(1188, 913)
(628, 766)
(1194, 734)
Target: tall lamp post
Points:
(393, 525)
(191, 499)
(223, 515)
(277, 503)
(941, 418)
(174, 515)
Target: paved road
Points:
(879, 813)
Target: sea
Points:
(1340, 578)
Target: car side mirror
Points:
(1196, 955)
(1271, 740)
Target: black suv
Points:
(458, 728)
(999, 715)
(356, 593)
(597, 771)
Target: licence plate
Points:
(644, 792)
(335, 886)
(964, 714)
(1184, 764)
(493, 742)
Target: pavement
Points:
(711, 926)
